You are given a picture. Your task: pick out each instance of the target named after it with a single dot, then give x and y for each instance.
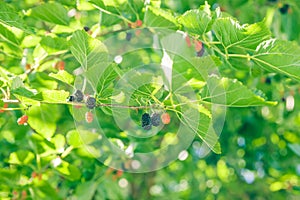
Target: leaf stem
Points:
(113, 14)
(240, 56)
(126, 106)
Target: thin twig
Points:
(16, 101)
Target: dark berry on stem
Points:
(91, 102)
(146, 121)
(71, 98)
(284, 9)
(86, 28)
(78, 95)
(200, 53)
(155, 119)
(128, 36)
(268, 80)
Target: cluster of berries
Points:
(284, 9)
(90, 103)
(134, 25)
(116, 174)
(154, 120)
(78, 97)
(198, 46)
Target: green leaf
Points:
(25, 97)
(30, 41)
(8, 36)
(68, 170)
(51, 12)
(106, 79)
(234, 36)
(10, 17)
(198, 21)
(16, 83)
(86, 190)
(109, 5)
(128, 9)
(194, 105)
(59, 142)
(54, 45)
(46, 96)
(279, 56)
(21, 157)
(78, 139)
(21, 91)
(204, 128)
(53, 96)
(4, 74)
(44, 190)
(156, 17)
(231, 93)
(7, 175)
(43, 119)
(88, 51)
(63, 76)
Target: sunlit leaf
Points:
(156, 17)
(231, 93)
(43, 119)
(198, 21)
(68, 170)
(21, 157)
(240, 37)
(78, 139)
(10, 17)
(63, 76)
(279, 56)
(88, 51)
(54, 45)
(51, 12)
(10, 39)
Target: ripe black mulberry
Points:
(71, 98)
(78, 96)
(146, 121)
(284, 9)
(128, 36)
(91, 102)
(155, 119)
